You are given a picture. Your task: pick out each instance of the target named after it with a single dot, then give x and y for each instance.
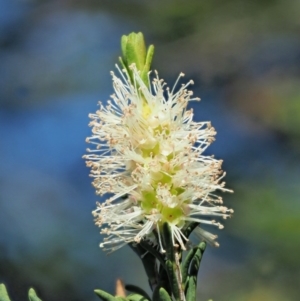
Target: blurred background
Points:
(55, 59)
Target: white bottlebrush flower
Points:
(148, 154)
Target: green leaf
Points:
(171, 270)
(147, 66)
(186, 264)
(137, 290)
(135, 50)
(124, 40)
(167, 242)
(3, 293)
(32, 295)
(191, 289)
(137, 297)
(104, 296)
(163, 295)
(188, 228)
(191, 282)
(195, 264)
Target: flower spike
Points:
(149, 155)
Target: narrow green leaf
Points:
(104, 296)
(195, 264)
(186, 264)
(191, 286)
(136, 50)
(191, 289)
(171, 270)
(149, 57)
(32, 295)
(163, 295)
(188, 228)
(167, 242)
(3, 293)
(124, 40)
(147, 66)
(137, 290)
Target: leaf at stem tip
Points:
(147, 66)
(104, 296)
(32, 295)
(134, 51)
(3, 293)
